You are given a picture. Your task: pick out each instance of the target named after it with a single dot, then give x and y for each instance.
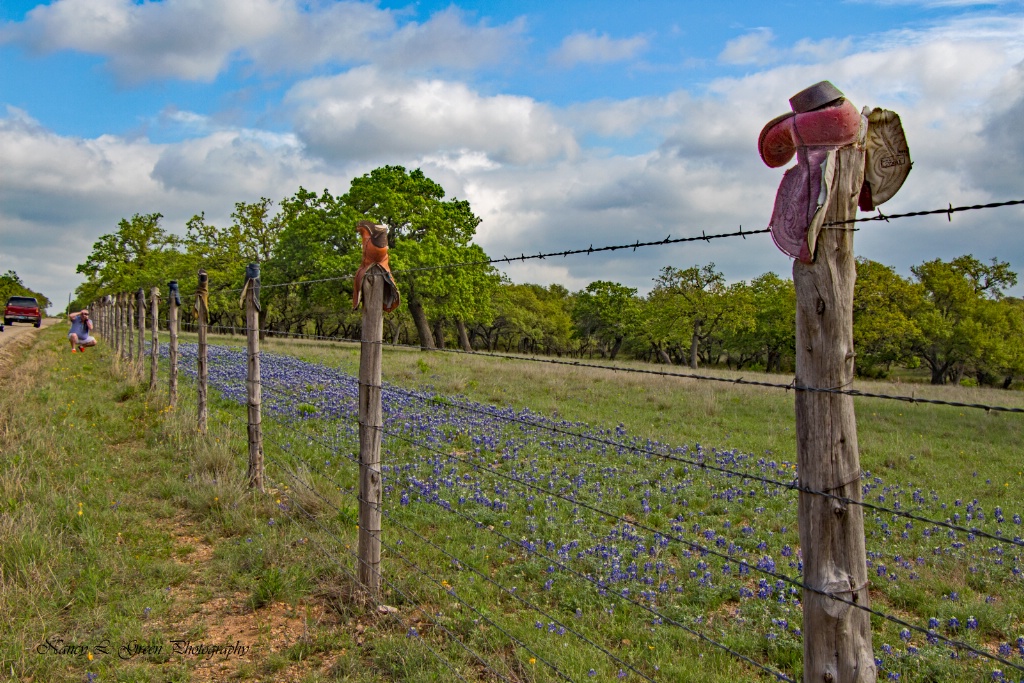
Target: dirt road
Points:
(15, 336)
(12, 332)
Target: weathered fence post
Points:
(173, 301)
(837, 636)
(251, 297)
(370, 425)
(129, 310)
(202, 313)
(119, 324)
(140, 304)
(154, 346)
(374, 285)
(108, 328)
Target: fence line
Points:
(740, 474)
(930, 633)
(851, 643)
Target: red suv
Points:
(22, 309)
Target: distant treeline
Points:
(949, 317)
(11, 285)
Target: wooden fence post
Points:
(837, 636)
(114, 345)
(202, 291)
(251, 293)
(370, 425)
(154, 346)
(118, 324)
(140, 304)
(129, 310)
(173, 300)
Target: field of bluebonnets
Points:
(530, 547)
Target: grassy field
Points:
(126, 533)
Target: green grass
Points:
(107, 496)
(169, 530)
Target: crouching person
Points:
(79, 336)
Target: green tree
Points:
(884, 329)
(528, 318)
(956, 323)
(11, 285)
(694, 301)
(317, 242)
(427, 231)
(140, 254)
(760, 329)
(606, 312)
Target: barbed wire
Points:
(502, 588)
(477, 524)
(742, 474)
(948, 212)
(791, 485)
(931, 633)
(703, 237)
(389, 611)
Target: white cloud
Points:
(447, 40)
(197, 40)
(367, 114)
(59, 194)
(590, 48)
(957, 87)
(754, 47)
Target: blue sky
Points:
(564, 123)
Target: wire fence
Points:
(465, 461)
(932, 635)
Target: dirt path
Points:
(18, 336)
(12, 332)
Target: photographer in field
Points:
(80, 328)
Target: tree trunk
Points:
(694, 343)
(665, 358)
(419, 317)
(439, 333)
(463, 336)
(615, 347)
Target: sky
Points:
(564, 124)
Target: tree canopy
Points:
(952, 318)
(11, 285)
